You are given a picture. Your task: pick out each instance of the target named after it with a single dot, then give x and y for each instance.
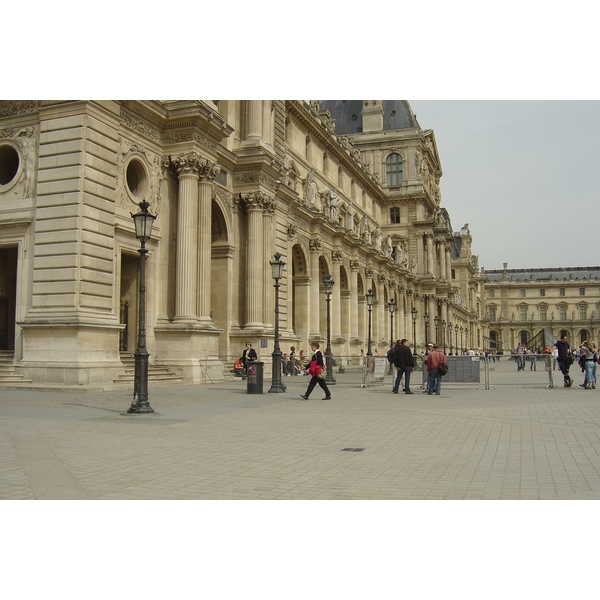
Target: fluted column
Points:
(336, 297)
(442, 271)
(207, 174)
(420, 253)
(382, 328)
(256, 264)
(268, 253)
(186, 262)
(315, 283)
(429, 242)
(254, 123)
(354, 325)
(448, 264)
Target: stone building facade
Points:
(522, 302)
(232, 183)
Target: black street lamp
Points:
(413, 313)
(466, 338)
(143, 221)
(450, 335)
(444, 334)
(436, 322)
(461, 340)
(328, 283)
(276, 382)
(369, 297)
(456, 339)
(392, 309)
(426, 319)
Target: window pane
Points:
(393, 170)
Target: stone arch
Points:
(222, 270)
(299, 297)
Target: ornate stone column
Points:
(186, 264)
(382, 311)
(207, 173)
(354, 325)
(420, 253)
(268, 253)
(448, 263)
(256, 263)
(254, 123)
(315, 253)
(429, 242)
(442, 268)
(336, 296)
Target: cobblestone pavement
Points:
(518, 440)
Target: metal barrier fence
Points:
(535, 370)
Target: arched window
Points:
(393, 170)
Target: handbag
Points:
(443, 368)
(314, 368)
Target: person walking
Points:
(291, 364)
(248, 354)
(433, 362)
(404, 361)
(316, 360)
(564, 359)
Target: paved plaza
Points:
(516, 440)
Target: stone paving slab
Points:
(519, 440)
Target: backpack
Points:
(391, 353)
(443, 368)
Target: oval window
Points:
(9, 164)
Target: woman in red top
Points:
(434, 359)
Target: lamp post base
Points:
(329, 378)
(277, 386)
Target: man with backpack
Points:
(404, 362)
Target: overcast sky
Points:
(523, 174)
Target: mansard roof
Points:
(547, 274)
(397, 114)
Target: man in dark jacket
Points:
(404, 361)
(564, 359)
